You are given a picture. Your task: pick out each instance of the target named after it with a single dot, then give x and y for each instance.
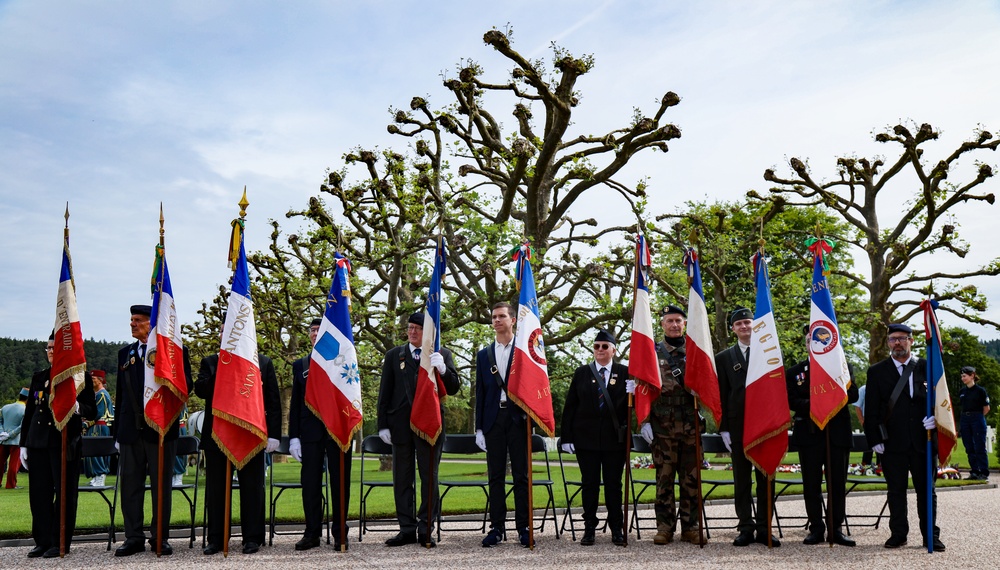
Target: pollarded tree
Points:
(913, 230)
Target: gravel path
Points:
(967, 517)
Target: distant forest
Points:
(20, 359)
(992, 349)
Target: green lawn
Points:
(93, 512)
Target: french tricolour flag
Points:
(165, 390)
(643, 364)
(829, 377)
(528, 383)
(69, 364)
(333, 392)
(765, 431)
(947, 436)
(425, 415)
(238, 401)
(700, 376)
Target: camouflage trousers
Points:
(674, 453)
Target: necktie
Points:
(142, 352)
(746, 354)
(600, 392)
(416, 354)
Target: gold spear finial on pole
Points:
(761, 241)
(237, 235)
(161, 224)
(818, 231)
(66, 230)
(243, 203)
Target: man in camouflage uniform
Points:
(671, 432)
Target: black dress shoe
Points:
(588, 538)
(308, 542)
(53, 552)
(618, 538)
(895, 541)
(130, 547)
(744, 539)
(37, 551)
(814, 537)
(211, 549)
(250, 547)
(938, 545)
(401, 539)
(839, 538)
(762, 539)
(426, 541)
(337, 545)
(166, 549)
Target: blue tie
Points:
(416, 354)
(600, 392)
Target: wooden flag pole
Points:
(531, 495)
(430, 491)
(228, 512)
(62, 497)
(628, 468)
(159, 498)
(829, 491)
(342, 514)
(770, 506)
(699, 462)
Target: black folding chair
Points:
(371, 445)
(712, 443)
(103, 446)
(462, 444)
(186, 445)
(568, 517)
(643, 481)
(283, 486)
(538, 446)
(860, 443)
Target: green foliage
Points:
(962, 348)
(21, 359)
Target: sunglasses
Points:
(601, 346)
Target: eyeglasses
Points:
(49, 348)
(898, 339)
(601, 346)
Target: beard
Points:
(899, 353)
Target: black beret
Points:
(417, 319)
(739, 314)
(316, 322)
(899, 328)
(605, 336)
(970, 370)
(673, 310)
(141, 310)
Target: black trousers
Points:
(896, 467)
(594, 464)
(744, 474)
(507, 437)
(404, 453)
(313, 454)
(138, 460)
(44, 496)
(813, 460)
(251, 479)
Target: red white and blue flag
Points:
(333, 392)
(425, 414)
(528, 383)
(166, 386)
(643, 364)
(69, 363)
(700, 376)
(765, 429)
(238, 401)
(829, 376)
(943, 415)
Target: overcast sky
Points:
(116, 106)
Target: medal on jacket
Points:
(614, 378)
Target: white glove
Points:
(727, 440)
(646, 431)
(480, 439)
(295, 448)
(24, 458)
(878, 448)
(386, 437)
(272, 444)
(76, 407)
(569, 448)
(930, 423)
(437, 361)
(118, 447)
(4, 435)
(630, 386)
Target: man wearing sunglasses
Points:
(593, 427)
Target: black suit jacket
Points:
(204, 388)
(584, 423)
(905, 425)
(489, 388)
(130, 425)
(38, 429)
(398, 384)
(731, 366)
(805, 431)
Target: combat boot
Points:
(692, 536)
(664, 535)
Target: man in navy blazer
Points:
(501, 429)
(898, 432)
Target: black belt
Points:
(677, 400)
(972, 413)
